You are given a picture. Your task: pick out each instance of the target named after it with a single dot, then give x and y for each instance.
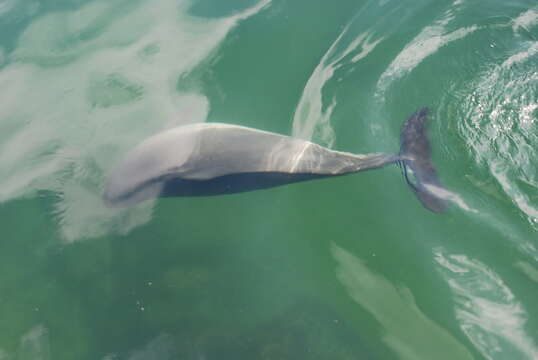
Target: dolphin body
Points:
(213, 159)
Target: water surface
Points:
(344, 268)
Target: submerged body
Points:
(213, 159)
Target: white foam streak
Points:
(525, 20)
(518, 197)
(311, 120)
(428, 42)
(448, 195)
(488, 312)
(252, 11)
(162, 348)
(367, 47)
(425, 44)
(72, 111)
(528, 269)
(35, 344)
(522, 56)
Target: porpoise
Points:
(214, 159)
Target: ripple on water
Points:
(500, 126)
(487, 310)
(425, 44)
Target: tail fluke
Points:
(415, 161)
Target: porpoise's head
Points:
(144, 171)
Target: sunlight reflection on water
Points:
(117, 76)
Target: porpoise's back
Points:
(213, 158)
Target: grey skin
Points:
(214, 159)
(415, 154)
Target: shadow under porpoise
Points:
(214, 159)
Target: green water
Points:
(344, 268)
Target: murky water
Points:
(343, 268)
